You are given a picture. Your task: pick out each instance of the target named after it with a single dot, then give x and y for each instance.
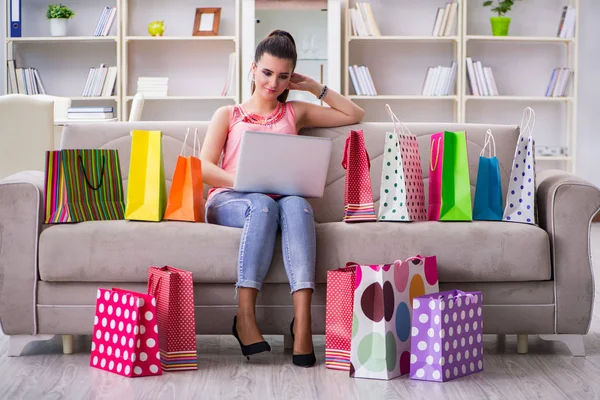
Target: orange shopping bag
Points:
(186, 198)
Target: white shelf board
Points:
(518, 39)
(62, 39)
(232, 98)
(553, 158)
(62, 122)
(519, 98)
(402, 97)
(405, 38)
(79, 98)
(180, 38)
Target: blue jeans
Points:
(260, 216)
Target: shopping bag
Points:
(380, 347)
(402, 193)
(520, 199)
(338, 317)
(186, 197)
(358, 197)
(447, 336)
(174, 292)
(146, 191)
(125, 336)
(488, 191)
(83, 185)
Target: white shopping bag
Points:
(402, 192)
(520, 199)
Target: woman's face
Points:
(272, 75)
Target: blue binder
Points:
(15, 18)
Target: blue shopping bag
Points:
(488, 191)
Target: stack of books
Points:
(362, 21)
(446, 20)
(440, 81)
(566, 28)
(24, 80)
(560, 80)
(100, 81)
(153, 86)
(481, 79)
(105, 22)
(99, 113)
(229, 88)
(362, 82)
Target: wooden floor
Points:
(547, 372)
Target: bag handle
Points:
(527, 121)
(489, 141)
(196, 143)
(153, 292)
(85, 174)
(403, 129)
(437, 155)
(345, 158)
(187, 133)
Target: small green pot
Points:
(500, 25)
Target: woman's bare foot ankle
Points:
(248, 329)
(302, 337)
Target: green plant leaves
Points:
(503, 6)
(59, 11)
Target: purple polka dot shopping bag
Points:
(446, 336)
(520, 199)
(381, 322)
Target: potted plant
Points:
(59, 15)
(500, 23)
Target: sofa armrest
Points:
(21, 200)
(566, 206)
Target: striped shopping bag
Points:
(358, 197)
(83, 185)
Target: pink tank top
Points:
(281, 120)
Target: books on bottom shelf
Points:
(87, 113)
(229, 88)
(362, 82)
(566, 28)
(24, 80)
(560, 80)
(481, 79)
(362, 20)
(440, 81)
(100, 81)
(153, 86)
(106, 21)
(446, 20)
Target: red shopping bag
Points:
(358, 197)
(125, 338)
(174, 292)
(338, 322)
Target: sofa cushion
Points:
(122, 251)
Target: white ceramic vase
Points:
(58, 26)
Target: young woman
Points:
(260, 215)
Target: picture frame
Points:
(206, 22)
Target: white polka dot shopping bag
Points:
(358, 195)
(402, 192)
(125, 337)
(174, 292)
(381, 323)
(520, 199)
(447, 336)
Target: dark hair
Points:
(279, 44)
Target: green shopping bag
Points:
(456, 184)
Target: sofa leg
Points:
(288, 342)
(573, 342)
(522, 343)
(67, 342)
(17, 343)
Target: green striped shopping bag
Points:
(83, 185)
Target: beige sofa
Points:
(535, 279)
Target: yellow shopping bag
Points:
(146, 191)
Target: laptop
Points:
(283, 164)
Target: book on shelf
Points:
(362, 20)
(446, 20)
(362, 81)
(23, 80)
(560, 80)
(481, 79)
(78, 113)
(440, 81)
(566, 27)
(106, 21)
(153, 86)
(100, 81)
(229, 88)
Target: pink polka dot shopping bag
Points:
(381, 321)
(358, 196)
(174, 292)
(447, 336)
(125, 337)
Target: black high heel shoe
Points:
(250, 349)
(302, 360)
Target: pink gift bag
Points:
(125, 338)
(435, 176)
(358, 197)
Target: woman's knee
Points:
(294, 204)
(262, 203)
